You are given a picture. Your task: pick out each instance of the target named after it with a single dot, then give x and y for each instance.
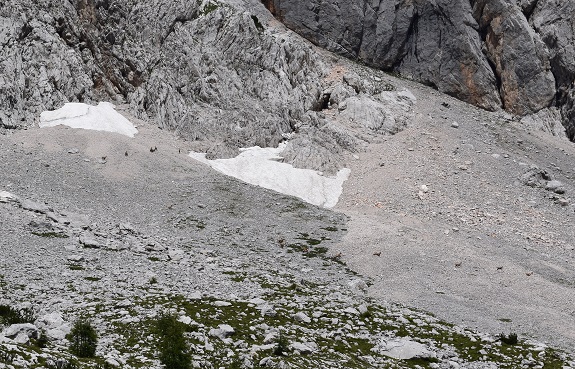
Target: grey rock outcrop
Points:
(513, 54)
(520, 58)
(554, 21)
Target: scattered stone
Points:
(222, 332)
(267, 362)
(358, 285)
(127, 228)
(113, 362)
(302, 348)
(185, 319)
(45, 229)
(222, 303)
(34, 206)
(89, 240)
(267, 310)
(271, 337)
(403, 349)
(75, 258)
(555, 186)
(257, 301)
(454, 125)
(536, 177)
(301, 317)
(563, 201)
(351, 310)
(196, 295)
(176, 254)
(73, 151)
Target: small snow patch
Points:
(102, 117)
(261, 167)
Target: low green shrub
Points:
(10, 315)
(510, 339)
(83, 338)
(172, 342)
(282, 345)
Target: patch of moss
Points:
(92, 279)
(210, 7)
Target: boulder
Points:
(222, 332)
(301, 317)
(548, 120)
(302, 348)
(89, 240)
(6, 196)
(54, 325)
(403, 349)
(21, 333)
(34, 206)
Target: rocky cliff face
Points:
(223, 75)
(202, 68)
(514, 54)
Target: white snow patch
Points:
(102, 117)
(260, 167)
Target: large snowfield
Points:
(261, 167)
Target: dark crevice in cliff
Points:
(568, 113)
(270, 5)
(181, 19)
(529, 9)
(408, 42)
(362, 33)
(322, 102)
(414, 33)
(498, 81)
(483, 32)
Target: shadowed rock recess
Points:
(514, 54)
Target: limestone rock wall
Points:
(513, 54)
(203, 68)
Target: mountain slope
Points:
(451, 209)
